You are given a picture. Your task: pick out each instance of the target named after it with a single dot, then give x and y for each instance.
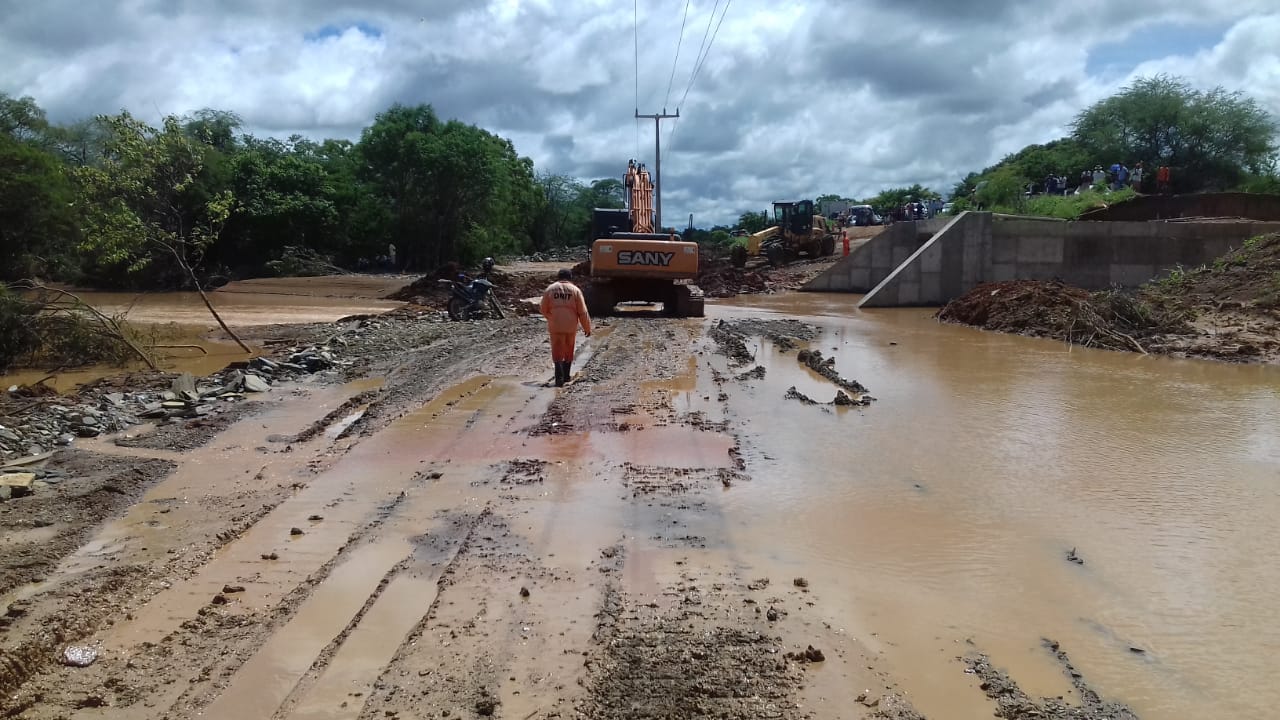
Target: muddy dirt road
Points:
(437, 533)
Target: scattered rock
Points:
(524, 592)
(1074, 558)
(295, 531)
(1137, 650)
(800, 582)
(772, 615)
(19, 484)
(79, 655)
(486, 706)
(316, 518)
(270, 556)
(255, 384)
(232, 589)
(219, 600)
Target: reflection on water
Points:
(944, 511)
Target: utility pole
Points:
(657, 153)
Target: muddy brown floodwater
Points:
(670, 536)
(181, 318)
(944, 512)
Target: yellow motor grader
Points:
(796, 231)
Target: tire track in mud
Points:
(393, 602)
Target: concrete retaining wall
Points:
(981, 247)
(872, 261)
(1252, 206)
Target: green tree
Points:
(1213, 139)
(754, 222)
(22, 119)
(37, 223)
(452, 191)
(143, 215)
(1003, 188)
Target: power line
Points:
(702, 59)
(635, 24)
(677, 58)
(698, 69)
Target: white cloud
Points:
(795, 98)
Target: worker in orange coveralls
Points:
(564, 308)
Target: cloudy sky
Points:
(793, 98)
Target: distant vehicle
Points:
(947, 208)
(864, 215)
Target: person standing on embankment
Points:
(564, 308)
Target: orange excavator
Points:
(632, 262)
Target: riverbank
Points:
(1229, 310)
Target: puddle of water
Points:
(217, 470)
(347, 683)
(336, 429)
(944, 511)
(267, 678)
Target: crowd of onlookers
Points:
(1116, 177)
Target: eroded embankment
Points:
(1229, 310)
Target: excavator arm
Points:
(639, 197)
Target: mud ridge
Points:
(1014, 704)
(338, 413)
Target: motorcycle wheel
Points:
(458, 309)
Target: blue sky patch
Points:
(1151, 42)
(332, 31)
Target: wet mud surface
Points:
(432, 531)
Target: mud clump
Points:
(794, 394)
(731, 343)
(808, 655)
(1014, 704)
(756, 373)
(524, 472)
(731, 337)
(825, 367)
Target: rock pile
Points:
(33, 427)
(568, 254)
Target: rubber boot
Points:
(568, 365)
(560, 374)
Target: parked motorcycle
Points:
(473, 297)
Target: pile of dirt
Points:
(1108, 319)
(1228, 310)
(511, 288)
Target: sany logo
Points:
(645, 257)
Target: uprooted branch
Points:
(58, 326)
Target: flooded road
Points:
(944, 512)
(454, 535)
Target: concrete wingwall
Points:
(982, 247)
(872, 261)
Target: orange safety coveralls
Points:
(564, 308)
